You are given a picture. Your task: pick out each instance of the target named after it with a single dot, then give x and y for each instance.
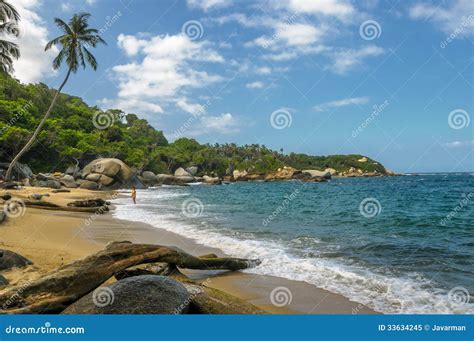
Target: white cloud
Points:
(336, 8)
(341, 103)
(162, 71)
(224, 124)
(298, 34)
(457, 16)
(459, 144)
(131, 105)
(34, 64)
(191, 108)
(255, 85)
(344, 61)
(207, 5)
(264, 70)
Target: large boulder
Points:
(317, 173)
(186, 178)
(166, 179)
(239, 175)
(105, 180)
(72, 170)
(116, 169)
(44, 177)
(211, 180)
(10, 259)
(148, 176)
(192, 170)
(93, 177)
(90, 185)
(284, 173)
(181, 172)
(20, 170)
(146, 294)
(68, 181)
(47, 183)
(331, 171)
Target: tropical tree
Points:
(77, 37)
(9, 51)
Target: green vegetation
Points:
(70, 134)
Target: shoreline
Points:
(54, 238)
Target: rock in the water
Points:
(317, 173)
(148, 294)
(285, 173)
(148, 176)
(181, 172)
(166, 179)
(192, 170)
(10, 259)
(3, 281)
(331, 171)
(185, 179)
(211, 180)
(90, 185)
(68, 181)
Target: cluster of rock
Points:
(285, 173)
(10, 260)
(181, 177)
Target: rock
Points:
(93, 177)
(285, 173)
(3, 216)
(211, 180)
(331, 171)
(48, 183)
(185, 178)
(364, 159)
(105, 180)
(3, 281)
(95, 202)
(20, 170)
(26, 182)
(148, 176)
(122, 174)
(10, 259)
(38, 196)
(147, 294)
(181, 172)
(166, 179)
(239, 175)
(62, 190)
(9, 185)
(90, 185)
(68, 181)
(192, 170)
(44, 177)
(72, 170)
(317, 173)
(6, 196)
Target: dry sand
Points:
(54, 238)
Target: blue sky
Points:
(392, 80)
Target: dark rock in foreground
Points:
(9, 259)
(148, 294)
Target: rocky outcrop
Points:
(211, 180)
(10, 259)
(146, 294)
(331, 171)
(148, 177)
(20, 170)
(181, 172)
(284, 173)
(239, 175)
(90, 185)
(108, 174)
(192, 170)
(68, 181)
(318, 174)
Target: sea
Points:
(402, 244)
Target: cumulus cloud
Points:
(341, 103)
(162, 70)
(458, 16)
(335, 8)
(34, 64)
(207, 5)
(224, 124)
(346, 60)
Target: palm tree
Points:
(9, 51)
(76, 38)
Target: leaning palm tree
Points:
(9, 51)
(74, 42)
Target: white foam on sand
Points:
(382, 293)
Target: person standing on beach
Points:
(134, 195)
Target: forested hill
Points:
(70, 134)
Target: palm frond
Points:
(8, 11)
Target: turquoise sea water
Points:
(397, 244)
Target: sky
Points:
(389, 79)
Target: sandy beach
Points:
(53, 238)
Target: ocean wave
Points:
(379, 290)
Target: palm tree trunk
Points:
(38, 129)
